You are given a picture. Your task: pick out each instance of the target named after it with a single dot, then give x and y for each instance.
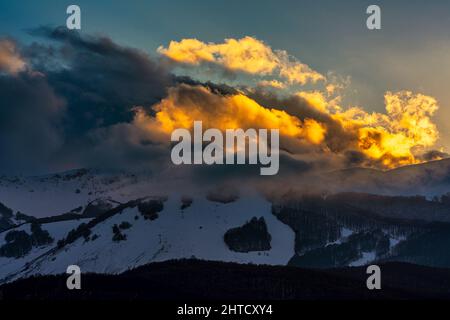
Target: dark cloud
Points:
(354, 158)
(121, 146)
(220, 89)
(433, 155)
(337, 138)
(30, 123)
(100, 80)
(55, 115)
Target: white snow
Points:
(52, 195)
(393, 241)
(194, 232)
(345, 233)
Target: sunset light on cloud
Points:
(386, 140)
(248, 55)
(244, 81)
(10, 60)
(383, 140)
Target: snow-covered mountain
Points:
(55, 194)
(113, 222)
(171, 233)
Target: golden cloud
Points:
(394, 137)
(186, 104)
(247, 55)
(385, 140)
(10, 60)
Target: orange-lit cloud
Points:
(10, 60)
(384, 140)
(316, 99)
(395, 137)
(186, 104)
(247, 55)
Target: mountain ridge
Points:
(190, 280)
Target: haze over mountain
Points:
(110, 222)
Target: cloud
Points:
(398, 137)
(275, 84)
(30, 124)
(248, 55)
(433, 155)
(123, 146)
(10, 60)
(101, 80)
(74, 101)
(84, 101)
(186, 104)
(395, 138)
(308, 125)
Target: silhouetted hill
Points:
(189, 280)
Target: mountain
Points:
(68, 192)
(108, 223)
(190, 280)
(428, 179)
(148, 230)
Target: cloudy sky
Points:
(313, 60)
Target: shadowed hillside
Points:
(189, 280)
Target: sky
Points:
(411, 51)
(328, 35)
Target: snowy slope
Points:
(57, 230)
(195, 231)
(50, 195)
